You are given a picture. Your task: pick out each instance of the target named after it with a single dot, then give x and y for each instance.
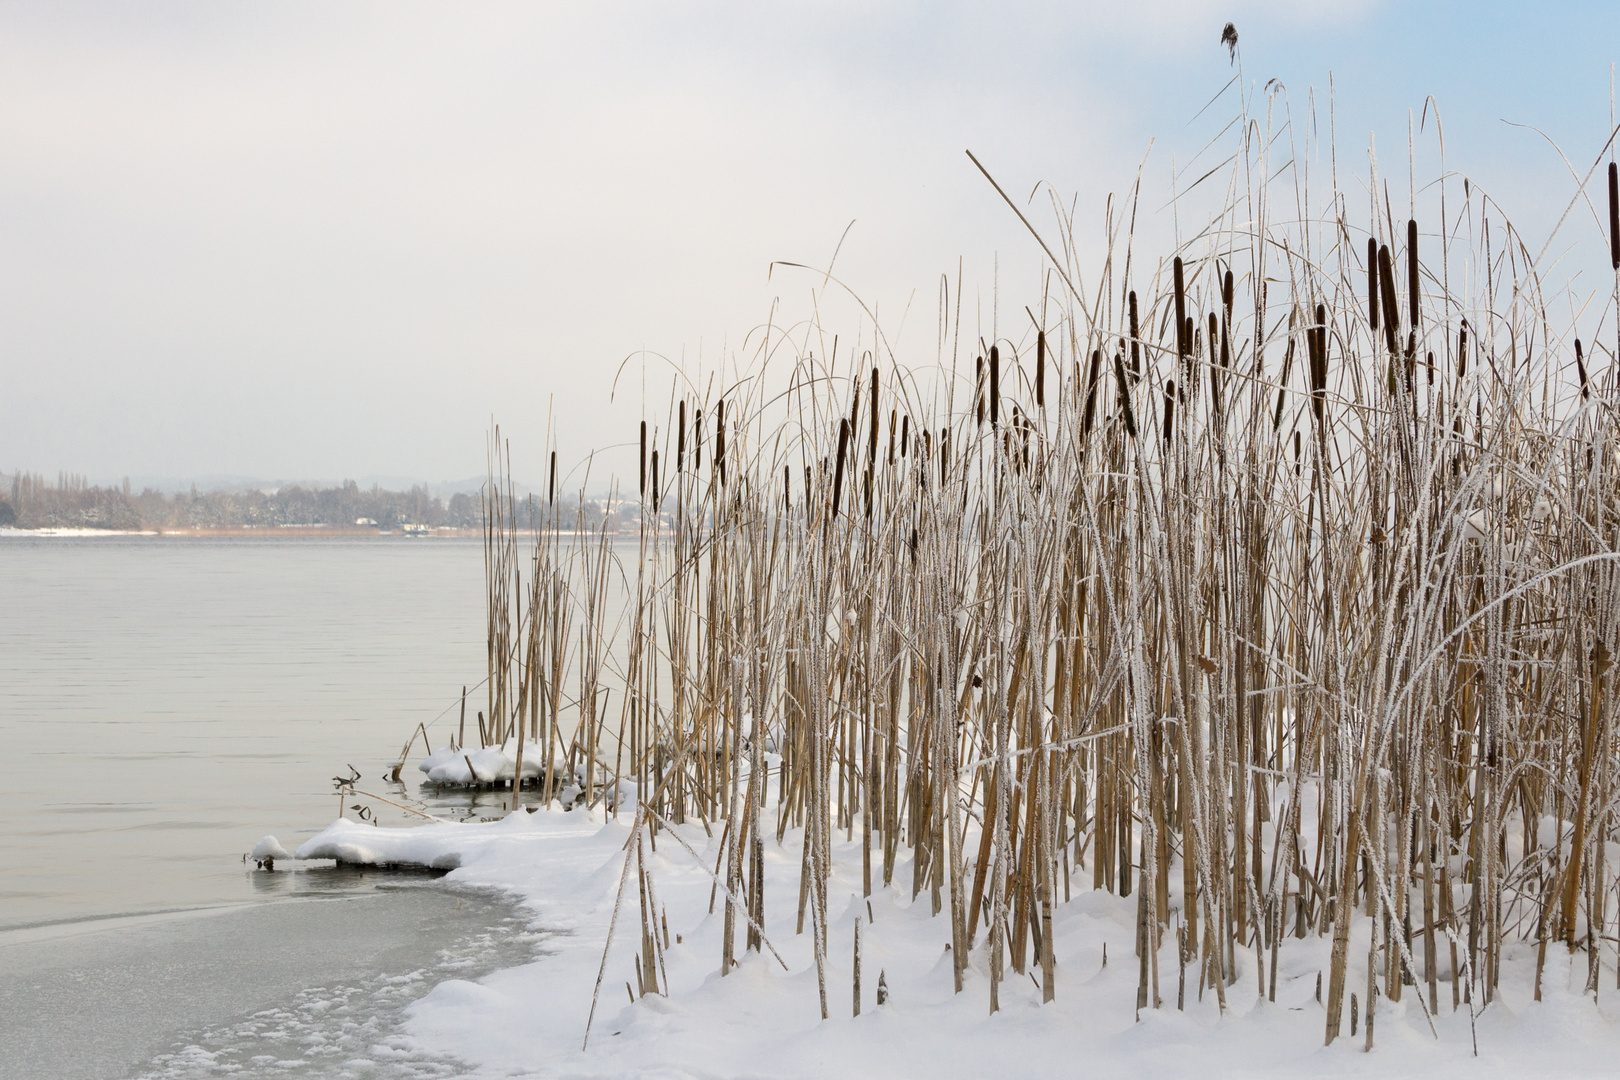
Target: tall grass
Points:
(1272, 583)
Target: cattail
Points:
(1580, 369)
(720, 440)
(642, 488)
(680, 437)
(551, 482)
(872, 453)
(1316, 340)
(905, 435)
(1169, 410)
(1124, 390)
(1183, 334)
(1412, 292)
(978, 391)
(1386, 287)
(1135, 331)
(1091, 392)
(1614, 216)
(1215, 351)
(1040, 369)
(787, 489)
(944, 455)
(838, 467)
(995, 386)
(892, 415)
(655, 480)
(1373, 298)
(1462, 351)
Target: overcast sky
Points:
(334, 239)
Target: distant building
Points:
(365, 521)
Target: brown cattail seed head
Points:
(1373, 299)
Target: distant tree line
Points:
(73, 503)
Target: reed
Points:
(1293, 650)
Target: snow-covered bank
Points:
(76, 533)
(763, 1021)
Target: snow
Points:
(59, 533)
(268, 848)
(760, 1020)
(453, 765)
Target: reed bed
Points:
(1272, 584)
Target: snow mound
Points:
(440, 757)
(267, 849)
(490, 765)
(364, 845)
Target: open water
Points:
(165, 702)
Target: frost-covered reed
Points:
(1272, 583)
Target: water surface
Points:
(164, 702)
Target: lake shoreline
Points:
(278, 532)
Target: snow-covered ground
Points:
(762, 1020)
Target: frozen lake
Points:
(164, 702)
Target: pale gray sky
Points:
(327, 240)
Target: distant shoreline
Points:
(299, 532)
(272, 532)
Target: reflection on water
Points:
(463, 804)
